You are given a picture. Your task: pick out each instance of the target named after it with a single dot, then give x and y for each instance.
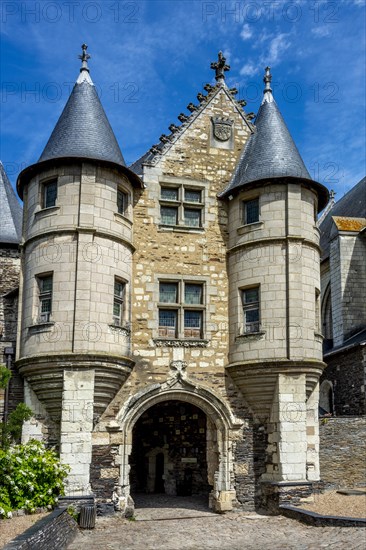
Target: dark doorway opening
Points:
(159, 473)
(169, 450)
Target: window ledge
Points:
(122, 219)
(181, 228)
(46, 211)
(41, 327)
(250, 335)
(180, 343)
(120, 328)
(243, 229)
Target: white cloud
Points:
(249, 69)
(279, 44)
(321, 31)
(246, 32)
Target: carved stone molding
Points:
(176, 343)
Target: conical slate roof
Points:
(270, 151)
(11, 211)
(83, 130)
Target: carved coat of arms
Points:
(222, 128)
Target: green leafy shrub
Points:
(71, 510)
(11, 431)
(31, 476)
(5, 375)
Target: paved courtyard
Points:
(186, 524)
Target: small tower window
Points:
(250, 302)
(49, 194)
(45, 298)
(122, 202)
(317, 310)
(251, 211)
(119, 302)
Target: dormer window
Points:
(49, 194)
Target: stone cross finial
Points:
(84, 58)
(220, 67)
(267, 80)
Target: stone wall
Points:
(249, 458)
(348, 279)
(54, 531)
(347, 371)
(343, 451)
(104, 473)
(9, 281)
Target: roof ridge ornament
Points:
(268, 97)
(84, 58)
(220, 67)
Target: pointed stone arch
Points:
(220, 418)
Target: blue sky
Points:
(150, 59)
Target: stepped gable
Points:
(11, 212)
(83, 130)
(270, 152)
(152, 156)
(351, 205)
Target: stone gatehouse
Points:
(169, 332)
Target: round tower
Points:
(274, 275)
(73, 349)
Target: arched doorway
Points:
(171, 449)
(221, 429)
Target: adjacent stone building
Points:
(343, 278)
(10, 236)
(170, 314)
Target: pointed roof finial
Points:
(84, 58)
(220, 67)
(267, 80)
(268, 97)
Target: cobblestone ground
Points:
(164, 523)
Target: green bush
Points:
(31, 476)
(5, 375)
(11, 431)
